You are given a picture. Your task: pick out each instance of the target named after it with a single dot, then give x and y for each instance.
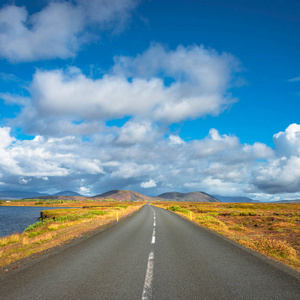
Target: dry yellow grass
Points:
(271, 229)
(14, 238)
(61, 226)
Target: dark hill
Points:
(15, 195)
(235, 199)
(287, 201)
(79, 198)
(67, 193)
(120, 195)
(187, 197)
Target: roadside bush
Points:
(178, 209)
(37, 225)
(93, 213)
(248, 213)
(272, 247)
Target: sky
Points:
(151, 96)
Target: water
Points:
(16, 218)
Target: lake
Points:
(17, 218)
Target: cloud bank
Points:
(216, 164)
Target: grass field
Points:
(53, 202)
(59, 226)
(271, 229)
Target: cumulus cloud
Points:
(176, 140)
(288, 142)
(57, 31)
(199, 79)
(132, 170)
(5, 137)
(43, 158)
(282, 173)
(136, 132)
(135, 87)
(148, 184)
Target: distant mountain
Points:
(79, 198)
(121, 195)
(67, 193)
(287, 201)
(15, 195)
(124, 195)
(235, 199)
(187, 197)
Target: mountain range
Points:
(16, 195)
(191, 197)
(124, 195)
(117, 195)
(235, 199)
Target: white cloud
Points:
(148, 184)
(136, 132)
(175, 140)
(201, 78)
(5, 138)
(288, 142)
(23, 180)
(43, 158)
(135, 87)
(262, 151)
(69, 93)
(132, 170)
(57, 31)
(85, 190)
(215, 144)
(281, 173)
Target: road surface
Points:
(154, 254)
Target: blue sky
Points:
(153, 96)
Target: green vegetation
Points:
(177, 208)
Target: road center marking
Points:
(153, 237)
(147, 291)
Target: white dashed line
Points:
(147, 291)
(153, 237)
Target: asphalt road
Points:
(154, 254)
